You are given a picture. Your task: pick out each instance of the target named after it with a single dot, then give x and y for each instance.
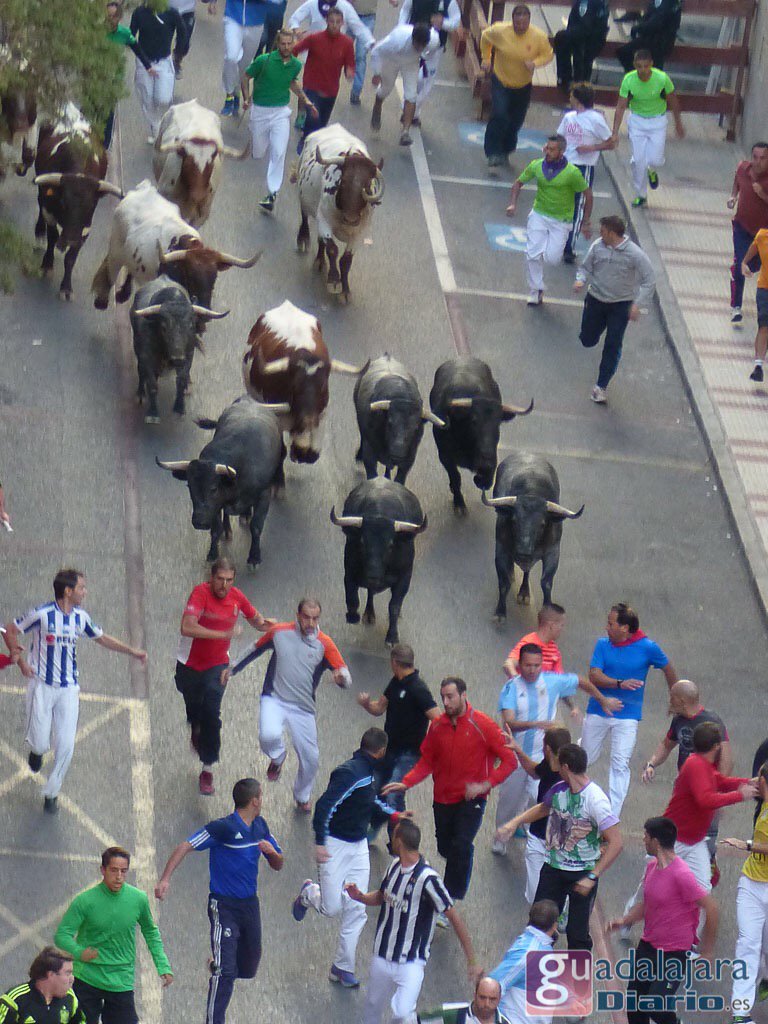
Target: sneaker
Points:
(345, 978)
(354, 99)
(305, 806)
(496, 161)
(150, 140)
(762, 990)
(562, 921)
(205, 783)
(268, 202)
(653, 179)
(639, 201)
(757, 373)
(35, 761)
(301, 120)
(51, 805)
(300, 904)
(736, 315)
(228, 110)
(714, 872)
(569, 256)
(498, 848)
(274, 771)
(535, 298)
(598, 395)
(405, 139)
(442, 921)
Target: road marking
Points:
(452, 85)
(73, 858)
(506, 237)
(19, 925)
(449, 179)
(484, 293)
(101, 698)
(29, 932)
(636, 460)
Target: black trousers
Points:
(556, 885)
(660, 47)
(456, 826)
(325, 105)
(575, 54)
(659, 987)
(236, 948)
(508, 110)
(182, 49)
(108, 1007)
(203, 693)
(611, 317)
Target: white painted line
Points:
(14, 922)
(29, 933)
(489, 183)
(451, 85)
(73, 858)
(549, 300)
(100, 698)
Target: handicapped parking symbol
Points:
(506, 237)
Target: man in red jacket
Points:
(459, 752)
(699, 791)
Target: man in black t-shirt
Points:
(47, 996)
(548, 774)
(409, 707)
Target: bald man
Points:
(484, 1008)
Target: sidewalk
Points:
(686, 231)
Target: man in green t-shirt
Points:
(549, 222)
(275, 76)
(648, 92)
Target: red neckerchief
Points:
(631, 639)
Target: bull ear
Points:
(179, 474)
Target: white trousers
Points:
(52, 709)
(647, 137)
(697, 859)
(512, 1005)
(623, 733)
(396, 984)
(155, 93)
(349, 863)
(535, 855)
(271, 131)
(424, 87)
(515, 794)
(389, 72)
(240, 45)
(276, 715)
(752, 943)
(545, 243)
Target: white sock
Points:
(758, 362)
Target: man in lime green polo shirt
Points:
(99, 930)
(549, 222)
(275, 76)
(647, 91)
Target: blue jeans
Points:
(742, 240)
(508, 110)
(361, 55)
(611, 317)
(394, 768)
(324, 106)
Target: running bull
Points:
(234, 473)
(380, 521)
(467, 398)
(529, 524)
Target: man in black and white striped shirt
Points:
(411, 895)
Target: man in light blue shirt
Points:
(539, 936)
(528, 707)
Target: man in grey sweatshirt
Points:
(620, 280)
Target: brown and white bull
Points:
(187, 160)
(18, 131)
(150, 237)
(340, 186)
(287, 362)
(70, 167)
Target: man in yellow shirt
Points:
(510, 51)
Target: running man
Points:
(47, 997)
(401, 53)
(550, 624)
(53, 687)
(649, 93)
(300, 655)
(235, 844)
(445, 18)
(208, 624)
(758, 251)
(328, 54)
(155, 26)
(538, 937)
(99, 930)
(749, 197)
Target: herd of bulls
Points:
(155, 244)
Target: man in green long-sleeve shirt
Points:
(99, 930)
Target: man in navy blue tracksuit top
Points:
(235, 843)
(341, 819)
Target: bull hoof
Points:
(459, 509)
(227, 535)
(345, 298)
(353, 618)
(244, 521)
(65, 295)
(100, 303)
(334, 287)
(278, 492)
(47, 271)
(253, 564)
(523, 598)
(369, 618)
(178, 412)
(391, 639)
(302, 246)
(499, 618)
(319, 266)
(151, 419)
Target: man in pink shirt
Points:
(672, 902)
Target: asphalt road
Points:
(78, 466)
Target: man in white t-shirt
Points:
(587, 133)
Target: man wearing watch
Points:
(619, 667)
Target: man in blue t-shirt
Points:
(236, 843)
(619, 667)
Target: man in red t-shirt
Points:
(207, 625)
(328, 54)
(550, 624)
(749, 194)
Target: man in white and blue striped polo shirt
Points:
(539, 936)
(528, 706)
(50, 665)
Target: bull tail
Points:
(206, 424)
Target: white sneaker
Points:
(598, 395)
(498, 848)
(736, 315)
(150, 140)
(442, 921)
(535, 298)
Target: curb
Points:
(704, 409)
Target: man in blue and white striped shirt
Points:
(50, 666)
(539, 936)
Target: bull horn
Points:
(518, 410)
(334, 162)
(403, 527)
(238, 261)
(460, 403)
(168, 147)
(430, 417)
(171, 466)
(561, 510)
(171, 257)
(210, 314)
(352, 521)
(276, 407)
(277, 365)
(236, 154)
(47, 179)
(222, 470)
(339, 367)
(375, 193)
(381, 406)
(106, 188)
(506, 502)
(148, 311)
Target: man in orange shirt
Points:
(550, 626)
(759, 248)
